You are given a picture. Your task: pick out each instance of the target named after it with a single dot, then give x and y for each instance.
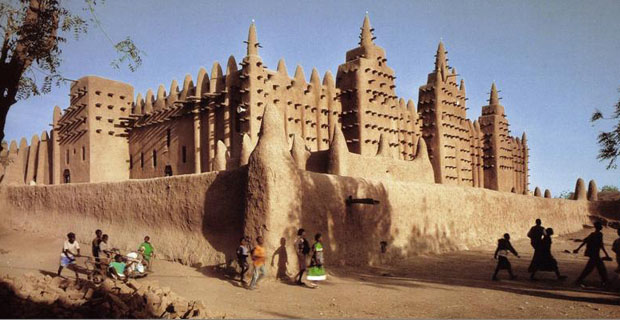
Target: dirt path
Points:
(454, 285)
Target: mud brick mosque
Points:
(212, 123)
(252, 151)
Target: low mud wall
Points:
(190, 218)
(416, 218)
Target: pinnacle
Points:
(440, 58)
(252, 40)
(494, 99)
(366, 37)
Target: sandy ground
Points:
(454, 285)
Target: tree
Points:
(609, 141)
(566, 195)
(609, 188)
(33, 31)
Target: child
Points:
(302, 247)
(317, 271)
(242, 258)
(95, 247)
(258, 259)
(118, 268)
(147, 251)
(104, 247)
(615, 247)
(501, 254)
(70, 250)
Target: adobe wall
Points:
(191, 218)
(417, 218)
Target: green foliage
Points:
(34, 42)
(609, 188)
(130, 54)
(566, 195)
(609, 141)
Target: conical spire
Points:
(246, 149)
(440, 58)
(338, 153)
(315, 79)
(366, 37)
(421, 150)
(282, 67)
(494, 99)
(252, 41)
(462, 86)
(383, 149)
(328, 79)
(299, 152)
(592, 191)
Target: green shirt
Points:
(148, 250)
(118, 266)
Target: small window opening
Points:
(83, 153)
(168, 138)
(184, 154)
(67, 156)
(141, 159)
(154, 158)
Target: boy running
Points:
(501, 254)
(258, 259)
(70, 250)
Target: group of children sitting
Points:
(106, 257)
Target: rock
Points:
(118, 303)
(89, 293)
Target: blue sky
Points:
(554, 61)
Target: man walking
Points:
(594, 245)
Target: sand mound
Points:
(39, 296)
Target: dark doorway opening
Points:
(168, 171)
(66, 176)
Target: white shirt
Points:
(71, 247)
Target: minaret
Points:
(253, 88)
(445, 129)
(368, 99)
(526, 159)
(498, 166)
